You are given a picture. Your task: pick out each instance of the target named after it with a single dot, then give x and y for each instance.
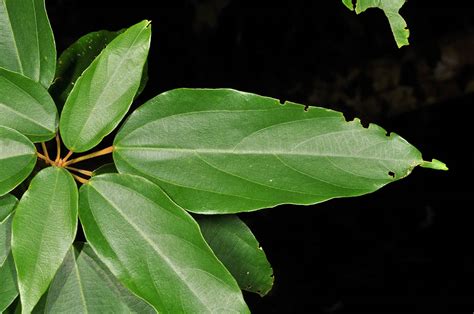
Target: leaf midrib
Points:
(217, 151)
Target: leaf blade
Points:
(391, 10)
(5, 238)
(172, 261)
(103, 94)
(8, 288)
(27, 43)
(75, 60)
(17, 159)
(83, 275)
(27, 107)
(238, 249)
(225, 151)
(44, 227)
(7, 204)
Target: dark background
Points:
(404, 248)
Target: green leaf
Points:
(236, 247)
(154, 247)
(7, 204)
(390, 8)
(225, 151)
(5, 238)
(103, 94)
(27, 107)
(348, 4)
(27, 42)
(84, 285)
(44, 227)
(17, 159)
(75, 60)
(14, 307)
(8, 284)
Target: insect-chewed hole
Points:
(392, 174)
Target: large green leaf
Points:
(44, 227)
(103, 94)
(27, 107)
(5, 238)
(390, 8)
(26, 41)
(8, 284)
(17, 159)
(154, 247)
(84, 285)
(236, 247)
(75, 60)
(7, 204)
(225, 151)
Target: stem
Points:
(58, 148)
(67, 156)
(102, 152)
(81, 171)
(46, 154)
(41, 156)
(79, 179)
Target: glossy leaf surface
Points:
(83, 284)
(7, 204)
(27, 107)
(103, 94)
(44, 227)
(154, 247)
(17, 159)
(390, 8)
(225, 151)
(8, 285)
(236, 247)
(26, 41)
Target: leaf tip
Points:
(434, 164)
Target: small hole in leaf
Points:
(282, 101)
(392, 174)
(306, 108)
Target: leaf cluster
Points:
(156, 236)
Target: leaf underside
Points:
(224, 151)
(172, 263)
(44, 227)
(26, 41)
